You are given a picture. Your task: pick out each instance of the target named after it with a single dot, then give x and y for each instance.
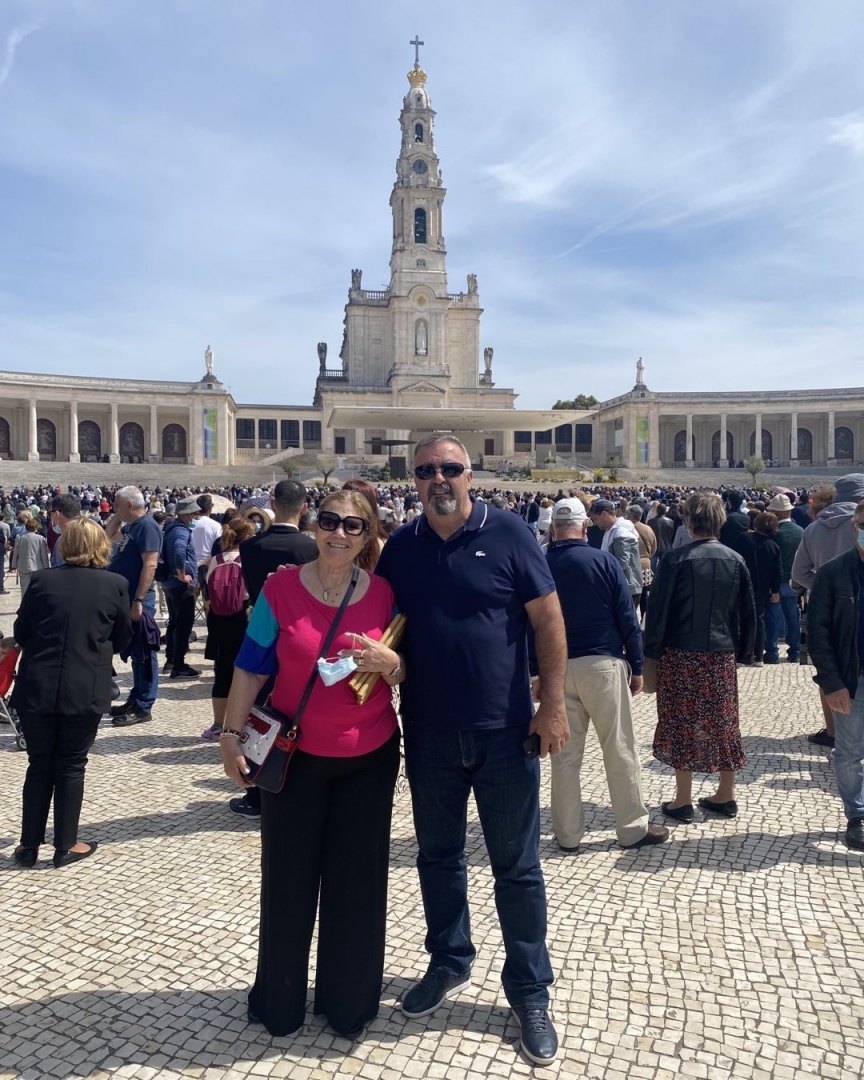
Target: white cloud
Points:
(849, 131)
(13, 40)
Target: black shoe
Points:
(569, 850)
(183, 671)
(128, 706)
(656, 834)
(434, 988)
(25, 856)
(243, 808)
(136, 716)
(65, 858)
(796, 659)
(726, 809)
(771, 659)
(538, 1041)
(822, 738)
(680, 813)
(855, 834)
(167, 666)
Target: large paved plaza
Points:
(735, 950)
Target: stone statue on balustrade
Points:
(208, 360)
(472, 284)
(356, 279)
(322, 357)
(487, 360)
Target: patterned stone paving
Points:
(735, 950)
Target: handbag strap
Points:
(331, 633)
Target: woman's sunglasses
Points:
(351, 526)
(449, 470)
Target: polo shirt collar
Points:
(476, 520)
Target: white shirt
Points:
(204, 534)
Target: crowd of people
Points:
(531, 618)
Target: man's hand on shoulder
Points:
(551, 724)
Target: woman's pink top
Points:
(285, 635)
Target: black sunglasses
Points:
(351, 526)
(449, 470)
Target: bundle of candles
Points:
(364, 681)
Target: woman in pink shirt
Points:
(325, 838)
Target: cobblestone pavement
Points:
(735, 950)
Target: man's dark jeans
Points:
(145, 672)
(181, 618)
(788, 608)
(443, 768)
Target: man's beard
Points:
(442, 503)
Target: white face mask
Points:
(861, 537)
(333, 671)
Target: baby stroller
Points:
(7, 713)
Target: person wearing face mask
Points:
(327, 832)
(64, 508)
(835, 626)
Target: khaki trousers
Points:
(597, 690)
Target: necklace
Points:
(330, 590)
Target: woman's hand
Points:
(234, 763)
(371, 655)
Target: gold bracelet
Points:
(228, 733)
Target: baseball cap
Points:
(599, 505)
(568, 512)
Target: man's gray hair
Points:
(442, 437)
(132, 495)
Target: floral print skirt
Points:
(697, 712)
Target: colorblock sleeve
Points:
(258, 652)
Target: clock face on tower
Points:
(419, 167)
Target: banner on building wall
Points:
(642, 439)
(211, 443)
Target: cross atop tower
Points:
(417, 43)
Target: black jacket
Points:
(702, 601)
(832, 623)
(737, 522)
(764, 562)
(71, 621)
(280, 545)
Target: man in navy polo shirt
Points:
(469, 579)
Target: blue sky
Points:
(674, 179)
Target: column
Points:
(73, 432)
(114, 453)
(757, 447)
(689, 463)
(724, 438)
(793, 441)
(193, 432)
(829, 457)
(154, 433)
(33, 452)
(223, 446)
(654, 458)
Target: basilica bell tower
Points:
(413, 345)
(417, 199)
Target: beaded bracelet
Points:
(228, 734)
